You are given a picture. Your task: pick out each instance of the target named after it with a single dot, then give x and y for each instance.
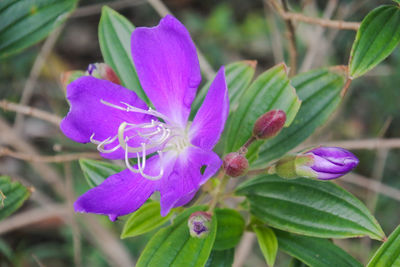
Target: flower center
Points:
(145, 138)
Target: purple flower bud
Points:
(199, 224)
(322, 163)
(235, 164)
(102, 71)
(269, 124)
(331, 162)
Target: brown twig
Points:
(47, 159)
(34, 74)
(337, 24)
(372, 185)
(26, 110)
(290, 34)
(162, 10)
(32, 216)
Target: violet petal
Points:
(186, 178)
(209, 121)
(87, 115)
(168, 68)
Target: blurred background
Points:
(47, 233)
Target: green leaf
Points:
(173, 245)
(268, 243)
(26, 22)
(144, 220)
(238, 77)
(315, 252)
(309, 207)
(271, 90)
(319, 91)
(389, 253)
(377, 37)
(115, 44)
(96, 171)
(221, 258)
(13, 195)
(230, 229)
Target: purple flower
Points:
(174, 156)
(331, 162)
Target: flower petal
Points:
(123, 192)
(209, 121)
(168, 68)
(192, 169)
(87, 115)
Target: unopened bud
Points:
(235, 164)
(103, 71)
(199, 224)
(322, 163)
(269, 124)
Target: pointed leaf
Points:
(319, 91)
(377, 37)
(315, 252)
(173, 245)
(238, 77)
(144, 220)
(230, 229)
(309, 207)
(221, 258)
(96, 171)
(388, 255)
(26, 22)
(268, 243)
(271, 90)
(115, 44)
(13, 195)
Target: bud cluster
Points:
(266, 126)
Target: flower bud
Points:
(322, 163)
(269, 124)
(235, 164)
(199, 224)
(103, 71)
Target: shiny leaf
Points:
(309, 207)
(230, 229)
(271, 90)
(388, 255)
(319, 91)
(115, 44)
(315, 252)
(173, 245)
(144, 220)
(12, 196)
(221, 258)
(96, 171)
(377, 37)
(268, 243)
(26, 22)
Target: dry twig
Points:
(26, 110)
(337, 24)
(35, 71)
(48, 159)
(243, 250)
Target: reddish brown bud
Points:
(269, 124)
(235, 164)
